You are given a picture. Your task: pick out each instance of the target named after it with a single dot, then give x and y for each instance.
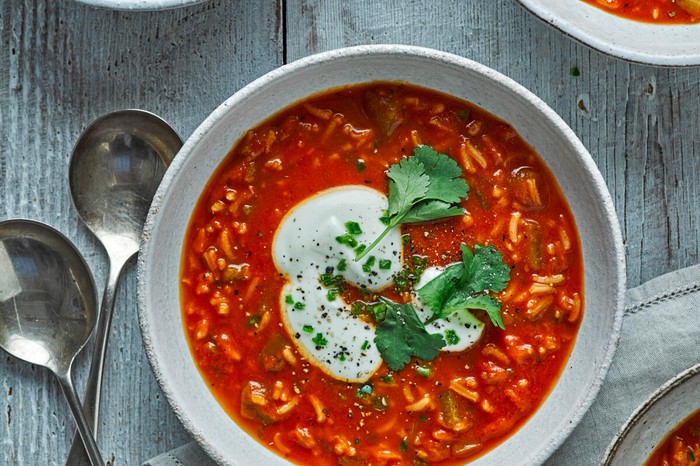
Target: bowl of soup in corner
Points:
(381, 255)
(651, 32)
(665, 429)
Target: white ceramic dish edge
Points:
(643, 43)
(638, 429)
(143, 5)
(597, 188)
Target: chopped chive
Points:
(405, 239)
(403, 446)
(367, 267)
(357, 308)
(360, 165)
(332, 294)
(384, 264)
(347, 240)
(451, 337)
(342, 265)
(253, 320)
(378, 310)
(360, 249)
(288, 299)
(299, 306)
(353, 228)
(424, 371)
(308, 329)
(691, 456)
(365, 345)
(320, 340)
(388, 378)
(341, 357)
(326, 279)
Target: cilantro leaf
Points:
(421, 188)
(426, 211)
(485, 269)
(446, 182)
(461, 301)
(437, 291)
(408, 184)
(402, 335)
(466, 285)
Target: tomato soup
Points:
(681, 447)
(653, 11)
(318, 343)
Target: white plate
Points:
(655, 419)
(603, 252)
(145, 5)
(652, 44)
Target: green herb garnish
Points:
(384, 264)
(402, 335)
(319, 340)
(308, 329)
(288, 299)
(423, 371)
(426, 186)
(299, 306)
(466, 285)
(360, 165)
(342, 265)
(353, 228)
(451, 337)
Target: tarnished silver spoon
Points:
(115, 169)
(48, 307)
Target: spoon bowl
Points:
(115, 169)
(48, 305)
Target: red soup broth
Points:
(681, 447)
(652, 11)
(446, 411)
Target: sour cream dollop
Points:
(305, 247)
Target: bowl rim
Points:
(644, 408)
(618, 276)
(141, 5)
(601, 43)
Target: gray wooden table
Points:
(62, 64)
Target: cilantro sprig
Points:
(467, 285)
(402, 335)
(463, 286)
(424, 187)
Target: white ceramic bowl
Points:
(146, 5)
(652, 44)
(673, 402)
(579, 178)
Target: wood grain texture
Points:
(63, 64)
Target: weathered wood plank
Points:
(63, 64)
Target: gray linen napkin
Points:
(660, 338)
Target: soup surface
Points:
(433, 343)
(681, 447)
(653, 11)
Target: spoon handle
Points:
(83, 426)
(77, 454)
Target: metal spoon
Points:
(115, 169)
(48, 306)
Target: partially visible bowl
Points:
(649, 425)
(146, 5)
(651, 44)
(581, 182)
